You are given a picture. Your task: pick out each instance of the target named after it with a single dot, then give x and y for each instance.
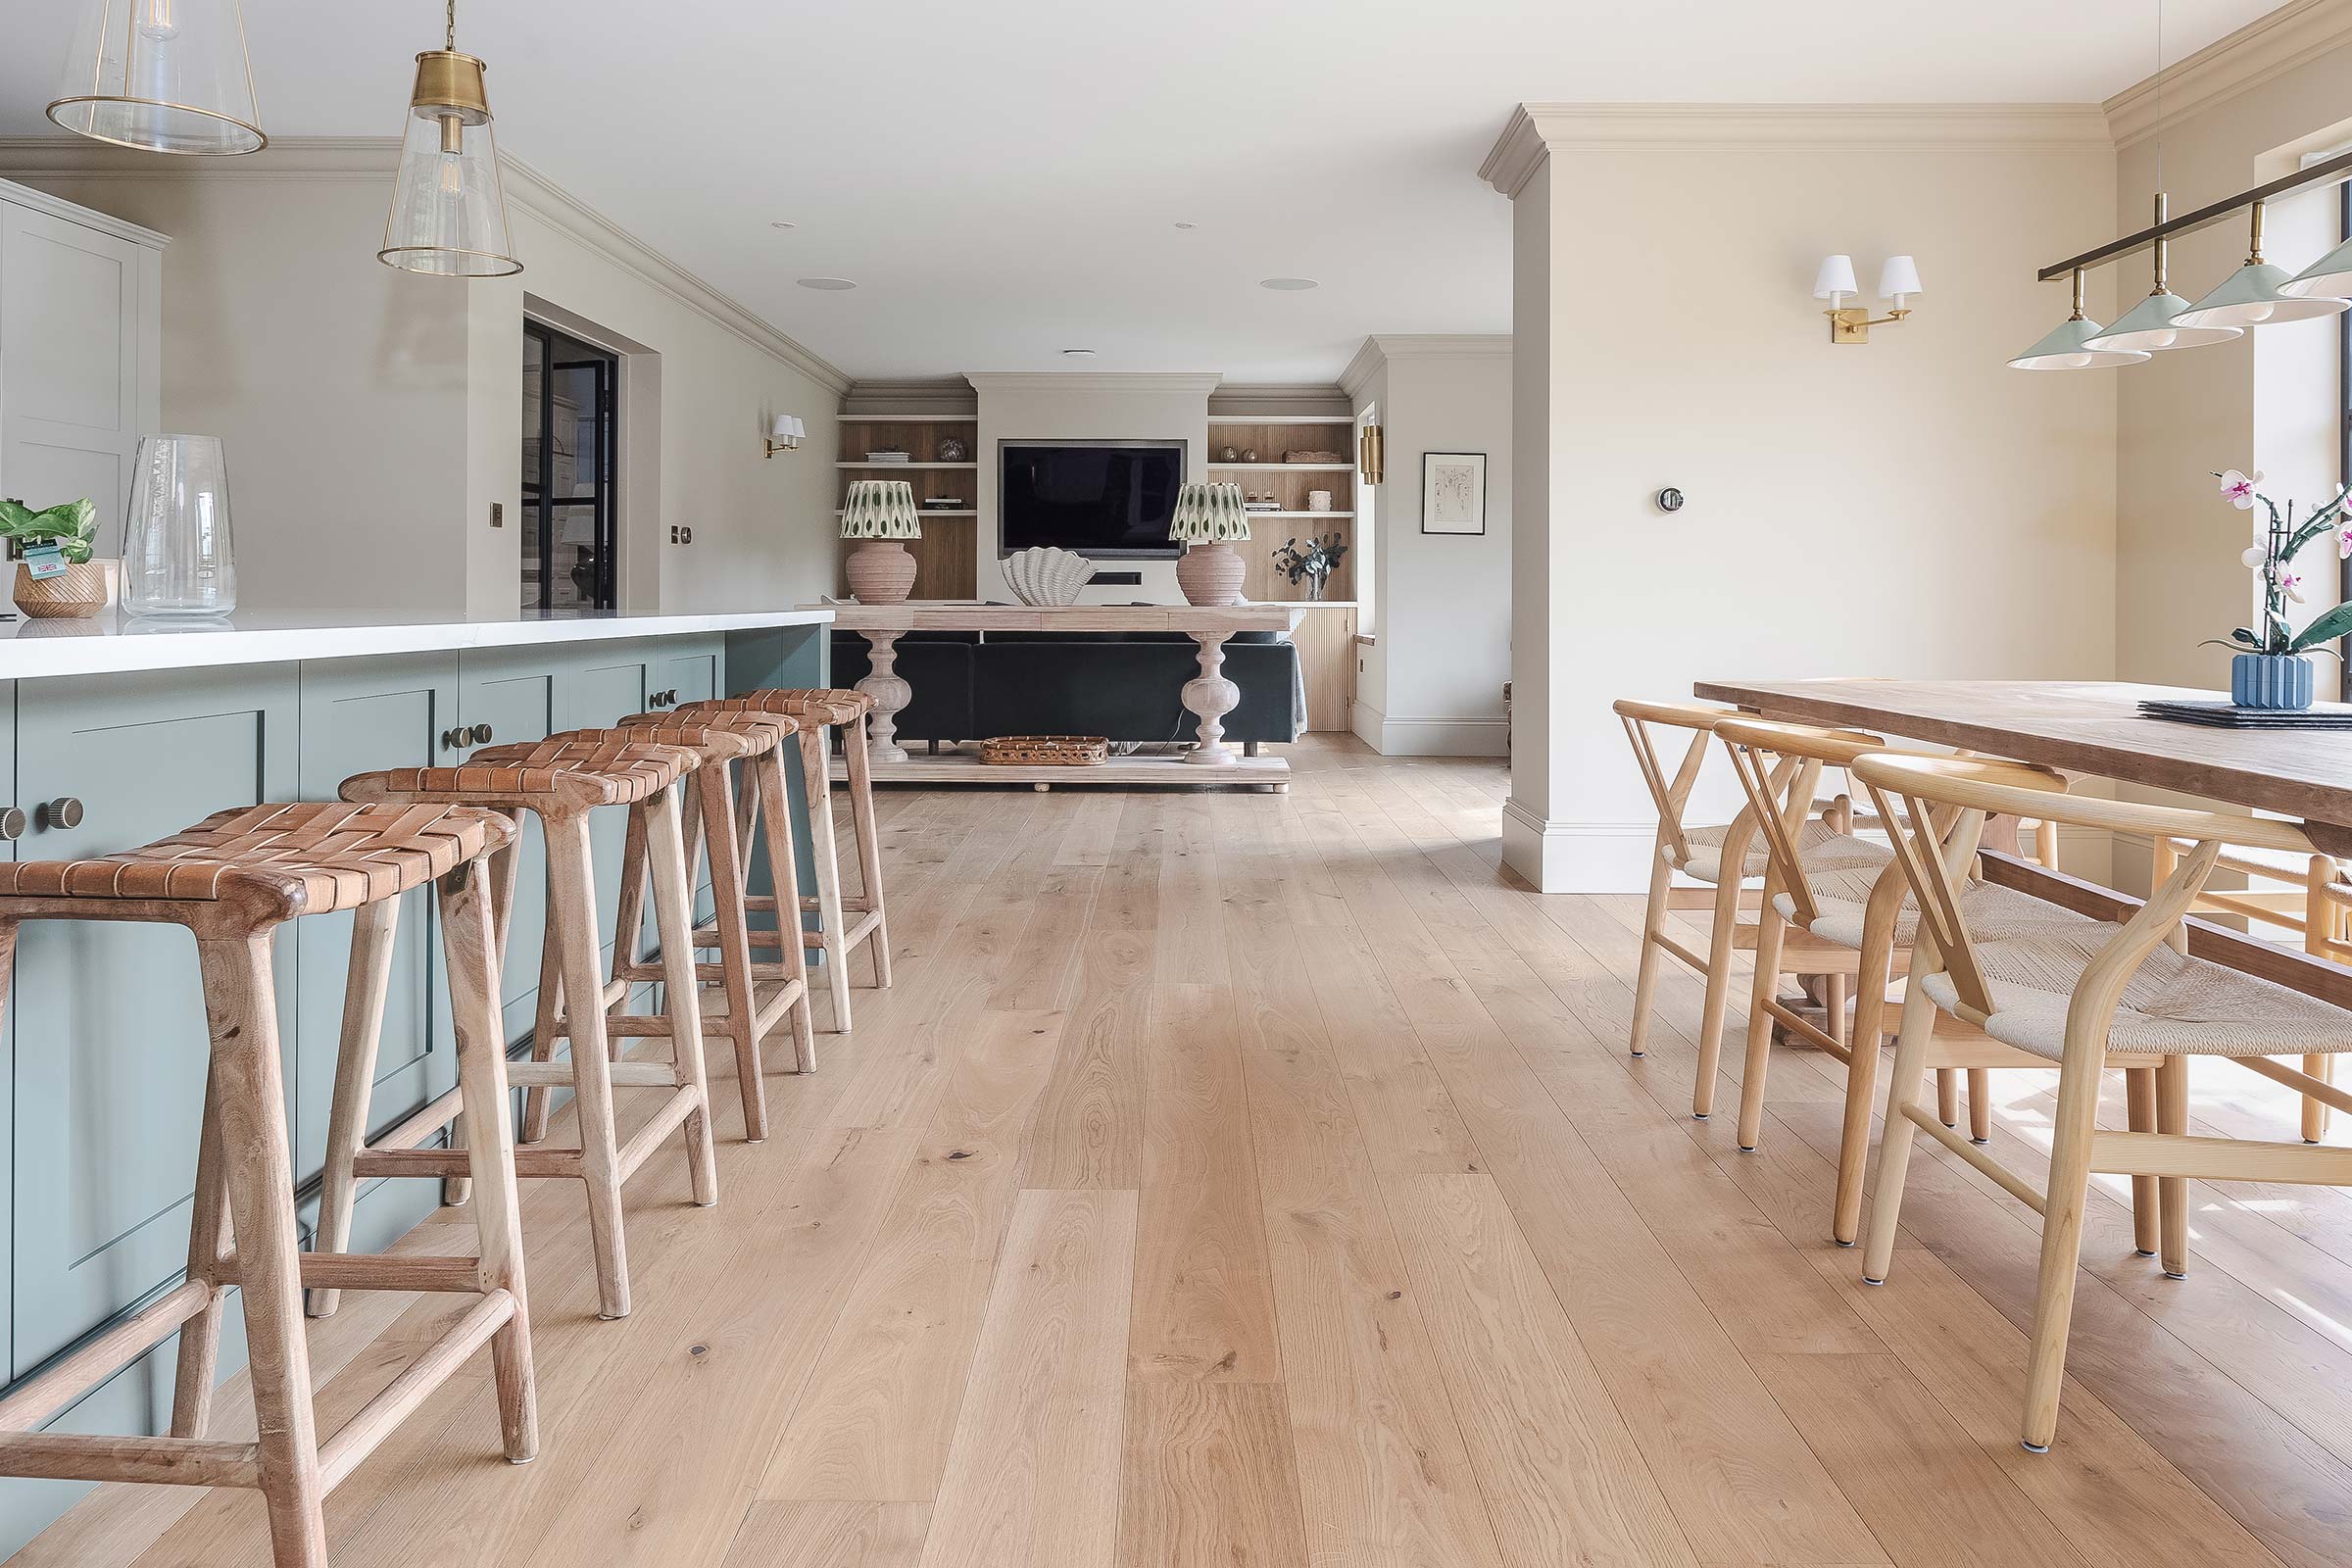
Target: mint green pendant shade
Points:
(2153, 325)
(2251, 297)
(2329, 277)
(2064, 349)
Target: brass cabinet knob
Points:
(12, 823)
(63, 811)
(481, 734)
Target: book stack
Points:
(893, 455)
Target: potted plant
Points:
(1316, 563)
(56, 576)
(1209, 518)
(2271, 671)
(882, 513)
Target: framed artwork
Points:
(1453, 492)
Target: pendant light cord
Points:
(453, 37)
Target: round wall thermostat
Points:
(1670, 500)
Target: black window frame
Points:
(537, 508)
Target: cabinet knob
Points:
(663, 698)
(63, 811)
(481, 734)
(12, 823)
(455, 737)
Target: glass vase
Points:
(177, 558)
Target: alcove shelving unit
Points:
(947, 558)
(1289, 483)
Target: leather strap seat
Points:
(579, 770)
(823, 704)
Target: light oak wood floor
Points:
(1253, 1180)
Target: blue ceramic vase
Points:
(2278, 681)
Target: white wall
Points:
(1909, 507)
(1444, 640)
(1083, 405)
(371, 416)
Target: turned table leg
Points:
(1211, 696)
(891, 694)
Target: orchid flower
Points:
(2238, 489)
(2290, 583)
(2256, 555)
(2343, 545)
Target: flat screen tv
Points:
(1111, 498)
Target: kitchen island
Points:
(113, 735)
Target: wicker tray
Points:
(1045, 750)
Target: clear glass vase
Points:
(178, 555)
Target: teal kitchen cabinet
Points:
(110, 1039)
(359, 715)
(601, 683)
(511, 693)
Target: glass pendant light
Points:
(2153, 325)
(449, 216)
(2255, 295)
(162, 76)
(2064, 348)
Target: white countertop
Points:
(110, 643)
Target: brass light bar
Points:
(2319, 173)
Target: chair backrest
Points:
(1671, 793)
(1778, 766)
(1922, 785)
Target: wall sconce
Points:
(1898, 281)
(1372, 454)
(787, 437)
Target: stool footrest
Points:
(446, 1163)
(625, 1075)
(654, 1132)
(110, 1352)
(166, 1461)
(383, 1415)
(377, 1271)
(424, 1122)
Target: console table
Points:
(1209, 696)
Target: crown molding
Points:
(40, 201)
(1277, 400)
(1188, 384)
(1535, 131)
(373, 159)
(2264, 48)
(1360, 370)
(1382, 347)
(950, 397)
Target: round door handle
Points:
(12, 823)
(481, 734)
(63, 811)
(455, 737)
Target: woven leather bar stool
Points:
(724, 741)
(843, 921)
(231, 881)
(561, 780)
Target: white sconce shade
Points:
(1835, 279)
(1898, 280)
(2329, 277)
(784, 430)
(2253, 296)
(2154, 325)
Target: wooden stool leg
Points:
(1979, 1104)
(766, 779)
(2172, 1192)
(366, 984)
(2139, 1116)
(681, 994)
(861, 770)
(1947, 1096)
(1771, 936)
(628, 918)
(572, 917)
(198, 1371)
(504, 865)
(814, 777)
(241, 1008)
(1903, 1085)
(471, 960)
(1653, 926)
(545, 1025)
(1718, 1005)
(1861, 1074)
(717, 817)
(2061, 1245)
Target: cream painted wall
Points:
(1908, 508)
(372, 418)
(1445, 643)
(1081, 405)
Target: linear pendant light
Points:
(449, 215)
(2254, 295)
(162, 76)
(2153, 325)
(2063, 349)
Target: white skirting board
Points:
(1561, 856)
(1392, 736)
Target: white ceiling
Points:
(1003, 179)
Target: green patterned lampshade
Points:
(881, 509)
(1209, 513)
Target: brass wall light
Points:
(449, 216)
(788, 434)
(1372, 454)
(1898, 284)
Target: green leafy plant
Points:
(1319, 559)
(71, 525)
(2271, 560)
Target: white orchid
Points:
(2256, 556)
(2290, 583)
(2238, 489)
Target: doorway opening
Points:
(570, 455)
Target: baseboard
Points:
(1558, 857)
(1429, 736)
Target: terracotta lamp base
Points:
(1210, 574)
(880, 572)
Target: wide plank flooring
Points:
(1238, 1179)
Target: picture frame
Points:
(1453, 492)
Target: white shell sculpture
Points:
(1047, 576)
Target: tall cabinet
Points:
(82, 302)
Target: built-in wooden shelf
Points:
(947, 558)
(1282, 467)
(972, 466)
(1287, 485)
(939, 512)
(1273, 516)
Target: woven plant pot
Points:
(77, 591)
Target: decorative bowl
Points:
(1044, 576)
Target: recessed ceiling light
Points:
(781, 224)
(831, 286)
(1288, 285)
(1079, 354)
